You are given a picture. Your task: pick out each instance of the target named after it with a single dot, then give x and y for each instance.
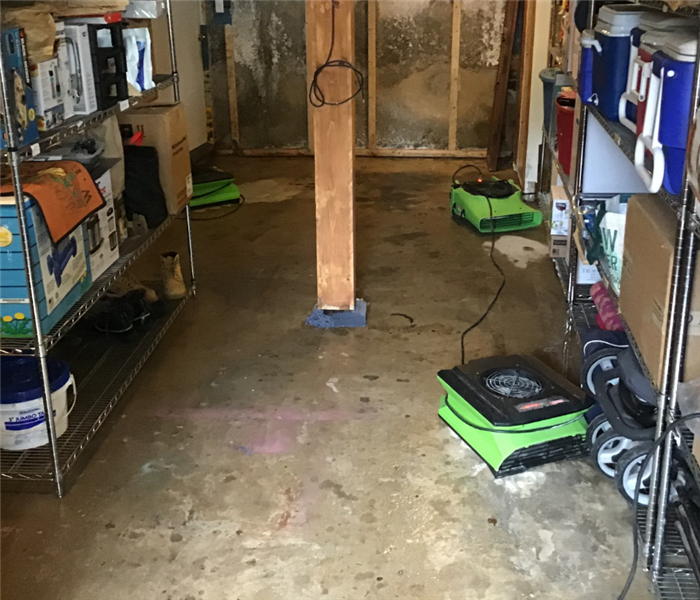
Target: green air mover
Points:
(514, 412)
(471, 200)
(213, 187)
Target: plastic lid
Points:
(620, 17)
(662, 21)
(654, 39)
(681, 45)
(20, 379)
(549, 75)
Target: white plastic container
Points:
(22, 416)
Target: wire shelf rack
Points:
(131, 250)
(677, 584)
(625, 140)
(560, 169)
(103, 367)
(79, 124)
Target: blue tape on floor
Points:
(328, 319)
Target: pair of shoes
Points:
(173, 282)
(128, 283)
(125, 312)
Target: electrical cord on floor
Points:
(468, 166)
(635, 534)
(235, 209)
(316, 96)
(493, 260)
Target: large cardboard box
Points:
(645, 286)
(164, 127)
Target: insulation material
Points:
(270, 51)
(480, 46)
(413, 73)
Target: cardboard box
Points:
(48, 93)
(60, 271)
(14, 51)
(164, 127)
(559, 246)
(101, 230)
(81, 75)
(645, 287)
(64, 71)
(561, 212)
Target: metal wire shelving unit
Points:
(663, 552)
(103, 367)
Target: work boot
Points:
(128, 283)
(172, 276)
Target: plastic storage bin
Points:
(677, 59)
(565, 110)
(22, 416)
(652, 25)
(612, 54)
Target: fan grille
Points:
(513, 383)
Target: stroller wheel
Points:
(628, 472)
(596, 428)
(607, 450)
(601, 360)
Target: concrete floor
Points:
(255, 458)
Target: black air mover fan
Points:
(515, 412)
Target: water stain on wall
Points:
(270, 51)
(413, 72)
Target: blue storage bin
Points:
(611, 55)
(60, 271)
(677, 60)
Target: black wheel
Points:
(628, 472)
(596, 428)
(600, 360)
(607, 450)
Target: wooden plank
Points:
(498, 111)
(372, 74)
(454, 72)
(334, 163)
(422, 153)
(231, 72)
(524, 87)
(309, 28)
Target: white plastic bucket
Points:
(23, 425)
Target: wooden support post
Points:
(334, 151)
(454, 72)
(372, 74)
(231, 72)
(500, 95)
(524, 86)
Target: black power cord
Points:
(228, 213)
(485, 314)
(316, 96)
(635, 534)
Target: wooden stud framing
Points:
(231, 73)
(372, 74)
(310, 68)
(334, 162)
(454, 72)
(498, 112)
(524, 86)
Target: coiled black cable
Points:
(317, 98)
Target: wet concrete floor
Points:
(255, 458)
